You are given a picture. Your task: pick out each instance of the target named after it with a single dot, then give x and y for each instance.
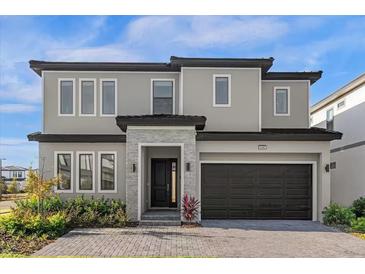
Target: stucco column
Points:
(132, 178)
(325, 184)
(183, 137)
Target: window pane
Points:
(108, 106)
(107, 172)
(87, 97)
(64, 171)
(330, 119)
(85, 171)
(282, 101)
(341, 104)
(329, 115)
(162, 106)
(221, 90)
(162, 89)
(162, 97)
(66, 97)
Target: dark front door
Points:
(256, 191)
(163, 182)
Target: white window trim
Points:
(101, 97)
(173, 93)
(80, 97)
(73, 97)
(282, 114)
(115, 190)
(229, 90)
(72, 171)
(78, 190)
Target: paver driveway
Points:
(214, 239)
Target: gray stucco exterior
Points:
(250, 110)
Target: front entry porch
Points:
(160, 178)
(160, 168)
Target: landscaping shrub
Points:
(336, 214)
(91, 212)
(50, 205)
(358, 207)
(13, 187)
(358, 224)
(34, 224)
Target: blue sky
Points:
(334, 44)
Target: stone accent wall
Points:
(136, 136)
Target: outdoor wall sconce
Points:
(327, 168)
(134, 168)
(187, 166)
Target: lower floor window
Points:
(64, 171)
(86, 171)
(107, 171)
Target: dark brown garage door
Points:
(256, 191)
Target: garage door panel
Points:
(257, 191)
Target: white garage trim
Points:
(314, 177)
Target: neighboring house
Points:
(226, 131)
(8, 173)
(344, 110)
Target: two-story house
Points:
(226, 131)
(8, 173)
(344, 110)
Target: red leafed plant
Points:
(190, 207)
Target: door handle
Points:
(168, 187)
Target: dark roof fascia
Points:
(311, 134)
(39, 66)
(161, 120)
(264, 63)
(312, 76)
(77, 138)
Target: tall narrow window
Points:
(87, 97)
(108, 97)
(64, 170)
(163, 97)
(222, 91)
(281, 101)
(330, 119)
(66, 97)
(107, 163)
(86, 172)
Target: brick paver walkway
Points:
(214, 239)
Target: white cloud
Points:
(13, 141)
(17, 108)
(103, 53)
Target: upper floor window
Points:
(341, 104)
(108, 95)
(63, 169)
(281, 101)
(222, 90)
(162, 97)
(66, 97)
(87, 97)
(330, 119)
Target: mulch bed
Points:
(10, 244)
